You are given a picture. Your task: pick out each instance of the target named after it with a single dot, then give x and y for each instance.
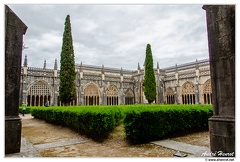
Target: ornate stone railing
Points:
(106, 69)
(188, 74)
(88, 76)
(204, 71)
(170, 77)
(187, 65)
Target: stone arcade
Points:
(98, 85)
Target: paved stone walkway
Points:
(26, 150)
(58, 144)
(196, 151)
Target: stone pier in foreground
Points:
(221, 42)
(14, 30)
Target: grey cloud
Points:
(116, 35)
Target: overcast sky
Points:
(115, 35)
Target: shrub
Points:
(142, 123)
(153, 122)
(95, 122)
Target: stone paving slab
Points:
(196, 151)
(26, 150)
(32, 125)
(58, 144)
(27, 116)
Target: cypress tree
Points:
(67, 89)
(149, 77)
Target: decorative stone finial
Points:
(102, 69)
(81, 68)
(197, 66)
(44, 65)
(25, 61)
(55, 64)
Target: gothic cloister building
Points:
(98, 85)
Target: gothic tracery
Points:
(169, 96)
(112, 95)
(38, 93)
(207, 92)
(117, 86)
(129, 97)
(188, 93)
(91, 95)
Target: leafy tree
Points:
(67, 87)
(149, 77)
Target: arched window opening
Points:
(207, 92)
(112, 95)
(188, 93)
(169, 96)
(38, 93)
(129, 97)
(91, 95)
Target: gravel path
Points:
(57, 141)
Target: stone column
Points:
(161, 96)
(104, 97)
(221, 42)
(197, 93)
(122, 93)
(176, 95)
(14, 30)
(24, 90)
(122, 99)
(81, 92)
(55, 92)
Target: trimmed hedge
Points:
(142, 123)
(154, 122)
(95, 122)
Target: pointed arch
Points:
(38, 93)
(91, 94)
(112, 94)
(169, 96)
(129, 96)
(207, 92)
(188, 93)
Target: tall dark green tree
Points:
(67, 89)
(149, 77)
